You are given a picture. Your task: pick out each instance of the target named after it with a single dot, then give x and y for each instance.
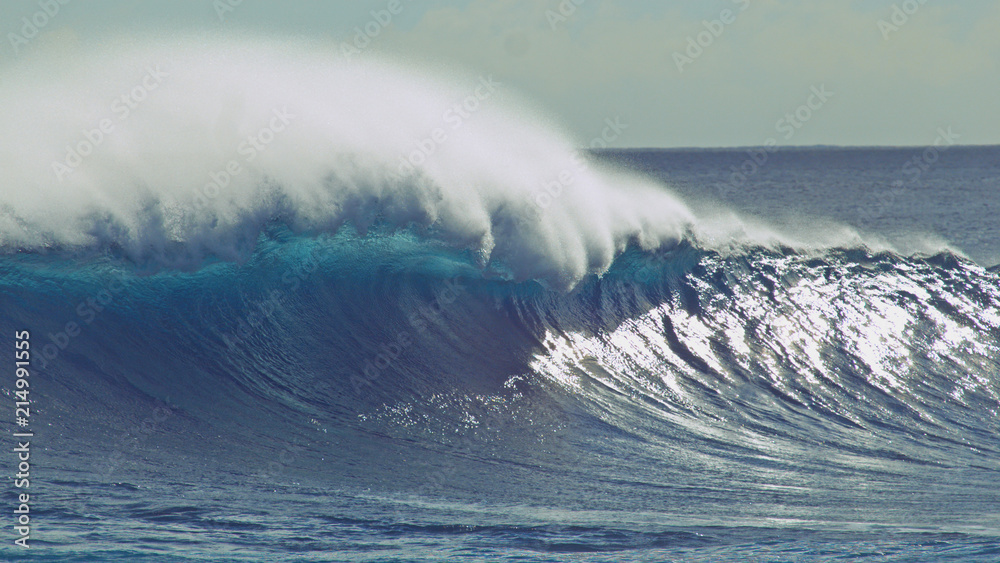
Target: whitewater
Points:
(286, 305)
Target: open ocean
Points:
(660, 360)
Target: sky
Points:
(707, 73)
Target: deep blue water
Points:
(341, 397)
(948, 193)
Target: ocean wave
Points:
(189, 150)
(180, 153)
(498, 301)
(652, 320)
(347, 358)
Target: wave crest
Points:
(182, 151)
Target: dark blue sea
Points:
(380, 396)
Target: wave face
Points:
(681, 400)
(343, 350)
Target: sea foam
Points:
(184, 149)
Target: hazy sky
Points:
(892, 72)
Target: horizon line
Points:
(782, 147)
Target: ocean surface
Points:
(659, 361)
